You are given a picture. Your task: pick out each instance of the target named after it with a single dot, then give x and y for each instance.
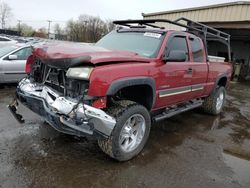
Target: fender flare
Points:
(116, 85)
(224, 75)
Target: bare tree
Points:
(96, 28)
(88, 28)
(110, 26)
(42, 30)
(72, 30)
(5, 14)
(57, 29)
(26, 30)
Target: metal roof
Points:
(226, 12)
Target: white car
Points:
(12, 62)
(6, 41)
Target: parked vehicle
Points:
(6, 41)
(12, 62)
(135, 75)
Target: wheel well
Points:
(142, 94)
(222, 82)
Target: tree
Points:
(72, 30)
(57, 29)
(96, 28)
(42, 30)
(42, 33)
(5, 14)
(26, 30)
(110, 26)
(88, 28)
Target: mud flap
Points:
(13, 109)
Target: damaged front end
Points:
(64, 113)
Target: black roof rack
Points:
(205, 32)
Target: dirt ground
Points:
(189, 150)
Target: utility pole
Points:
(49, 21)
(19, 26)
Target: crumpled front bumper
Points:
(65, 114)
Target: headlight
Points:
(80, 73)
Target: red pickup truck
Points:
(137, 74)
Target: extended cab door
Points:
(14, 69)
(198, 65)
(175, 76)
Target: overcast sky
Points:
(36, 12)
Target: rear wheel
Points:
(215, 102)
(130, 133)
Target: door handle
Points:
(190, 71)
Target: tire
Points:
(126, 113)
(211, 105)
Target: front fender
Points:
(102, 77)
(122, 83)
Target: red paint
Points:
(100, 103)
(29, 63)
(122, 65)
(98, 55)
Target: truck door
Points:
(14, 65)
(199, 66)
(175, 77)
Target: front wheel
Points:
(215, 102)
(130, 132)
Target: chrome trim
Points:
(175, 91)
(73, 126)
(69, 108)
(197, 87)
(180, 90)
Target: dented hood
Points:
(65, 55)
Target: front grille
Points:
(56, 79)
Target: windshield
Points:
(144, 43)
(7, 49)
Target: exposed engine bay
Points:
(56, 79)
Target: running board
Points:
(177, 110)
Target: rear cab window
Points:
(197, 49)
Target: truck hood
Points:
(61, 55)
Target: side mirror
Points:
(175, 56)
(12, 57)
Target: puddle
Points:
(240, 167)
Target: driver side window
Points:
(177, 43)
